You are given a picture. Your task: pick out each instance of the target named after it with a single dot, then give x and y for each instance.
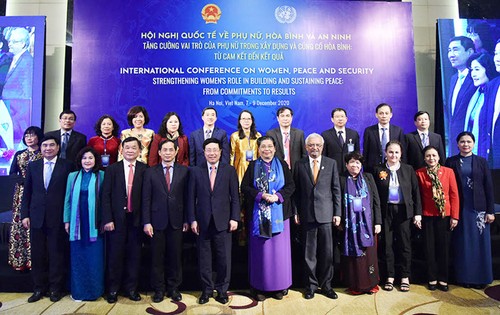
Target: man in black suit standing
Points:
(71, 141)
(289, 141)
(42, 212)
(121, 216)
(376, 137)
(340, 140)
(209, 130)
(164, 197)
(213, 213)
(317, 196)
(461, 90)
(417, 140)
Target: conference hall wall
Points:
(258, 55)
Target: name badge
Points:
(105, 160)
(393, 194)
(350, 147)
(249, 155)
(357, 204)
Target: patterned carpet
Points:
(418, 301)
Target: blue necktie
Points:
(384, 143)
(48, 174)
(64, 145)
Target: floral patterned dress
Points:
(19, 242)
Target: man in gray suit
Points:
(289, 141)
(317, 196)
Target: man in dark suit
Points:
(213, 213)
(121, 216)
(18, 85)
(377, 136)
(164, 197)
(290, 145)
(71, 141)
(417, 140)
(317, 196)
(209, 130)
(42, 212)
(461, 89)
(340, 140)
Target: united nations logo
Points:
(285, 14)
(211, 13)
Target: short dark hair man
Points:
(213, 213)
(340, 140)
(71, 140)
(42, 212)
(164, 200)
(209, 130)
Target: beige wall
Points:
(425, 13)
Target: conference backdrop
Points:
(258, 55)
(475, 102)
(22, 40)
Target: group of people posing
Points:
(103, 196)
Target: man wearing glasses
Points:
(71, 141)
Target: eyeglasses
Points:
(314, 145)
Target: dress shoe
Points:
(55, 296)
(222, 298)
(112, 297)
(309, 294)
(278, 295)
(330, 294)
(134, 296)
(431, 287)
(37, 295)
(175, 295)
(443, 287)
(204, 298)
(158, 296)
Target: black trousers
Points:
(123, 257)
(49, 258)
(166, 241)
(318, 255)
(437, 236)
(218, 244)
(397, 240)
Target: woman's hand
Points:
(378, 228)
(417, 220)
(490, 218)
(66, 227)
(453, 223)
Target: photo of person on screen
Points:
(18, 86)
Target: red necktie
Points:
(129, 187)
(167, 176)
(287, 149)
(213, 173)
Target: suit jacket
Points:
(414, 148)
(486, 134)
(455, 122)
(297, 144)
(196, 139)
(182, 155)
(45, 207)
(19, 80)
(77, 141)
(114, 195)
(374, 197)
(321, 201)
(334, 150)
(407, 183)
(250, 192)
(372, 148)
(161, 207)
(222, 204)
(484, 198)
